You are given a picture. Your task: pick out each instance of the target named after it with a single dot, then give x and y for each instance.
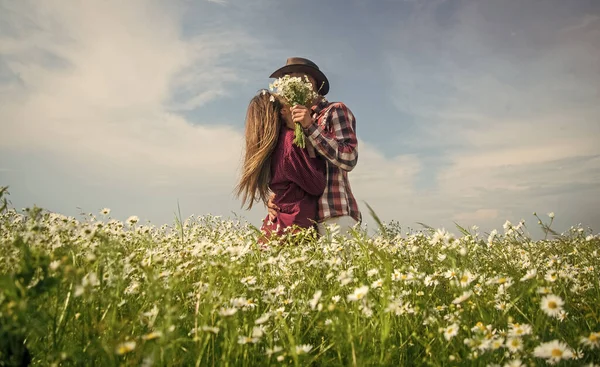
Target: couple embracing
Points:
(301, 186)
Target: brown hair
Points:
(263, 124)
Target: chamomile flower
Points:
(276, 349)
(247, 340)
(519, 330)
(466, 278)
(531, 273)
(315, 300)
(250, 280)
(514, 344)
(514, 363)
(465, 296)
(551, 276)
(552, 305)
(591, 341)
(126, 347)
(303, 349)
(450, 331)
(358, 294)
(377, 284)
(372, 272)
(226, 312)
(153, 335)
(264, 318)
(553, 351)
(133, 220)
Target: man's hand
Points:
(273, 209)
(301, 114)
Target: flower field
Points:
(96, 291)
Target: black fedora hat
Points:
(302, 65)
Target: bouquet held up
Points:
(295, 91)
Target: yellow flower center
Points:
(464, 279)
(557, 353)
(593, 337)
(552, 305)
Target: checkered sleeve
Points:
(336, 141)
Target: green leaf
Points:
(462, 230)
(377, 220)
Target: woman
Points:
(273, 163)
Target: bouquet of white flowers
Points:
(295, 91)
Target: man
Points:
(330, 128)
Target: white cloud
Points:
(103, 112)
(513, 120)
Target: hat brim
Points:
(320, 78)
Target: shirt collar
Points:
(320, 106)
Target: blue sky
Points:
(474, 112)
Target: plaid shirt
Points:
(333, 135)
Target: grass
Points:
(96, 291)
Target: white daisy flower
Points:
(372, 272)
(264, 318)
(225, 312)
(592, 341)
(466, 278)
(303, 349)
(514, 344)
(519, 329)
(250, 280)
(276, 349)
(315, 300)
(126, 347)
(552, 305)
(530, 275)
(514, 363)
(544, 290)
(152, 335)
(553, 351)
(551, 276)
(377, 284)
(359, 293)
(465, 296)
(450, 331)
(133, 220)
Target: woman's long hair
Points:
(263, 124)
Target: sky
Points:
(469, 112)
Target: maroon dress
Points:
(297, 181)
